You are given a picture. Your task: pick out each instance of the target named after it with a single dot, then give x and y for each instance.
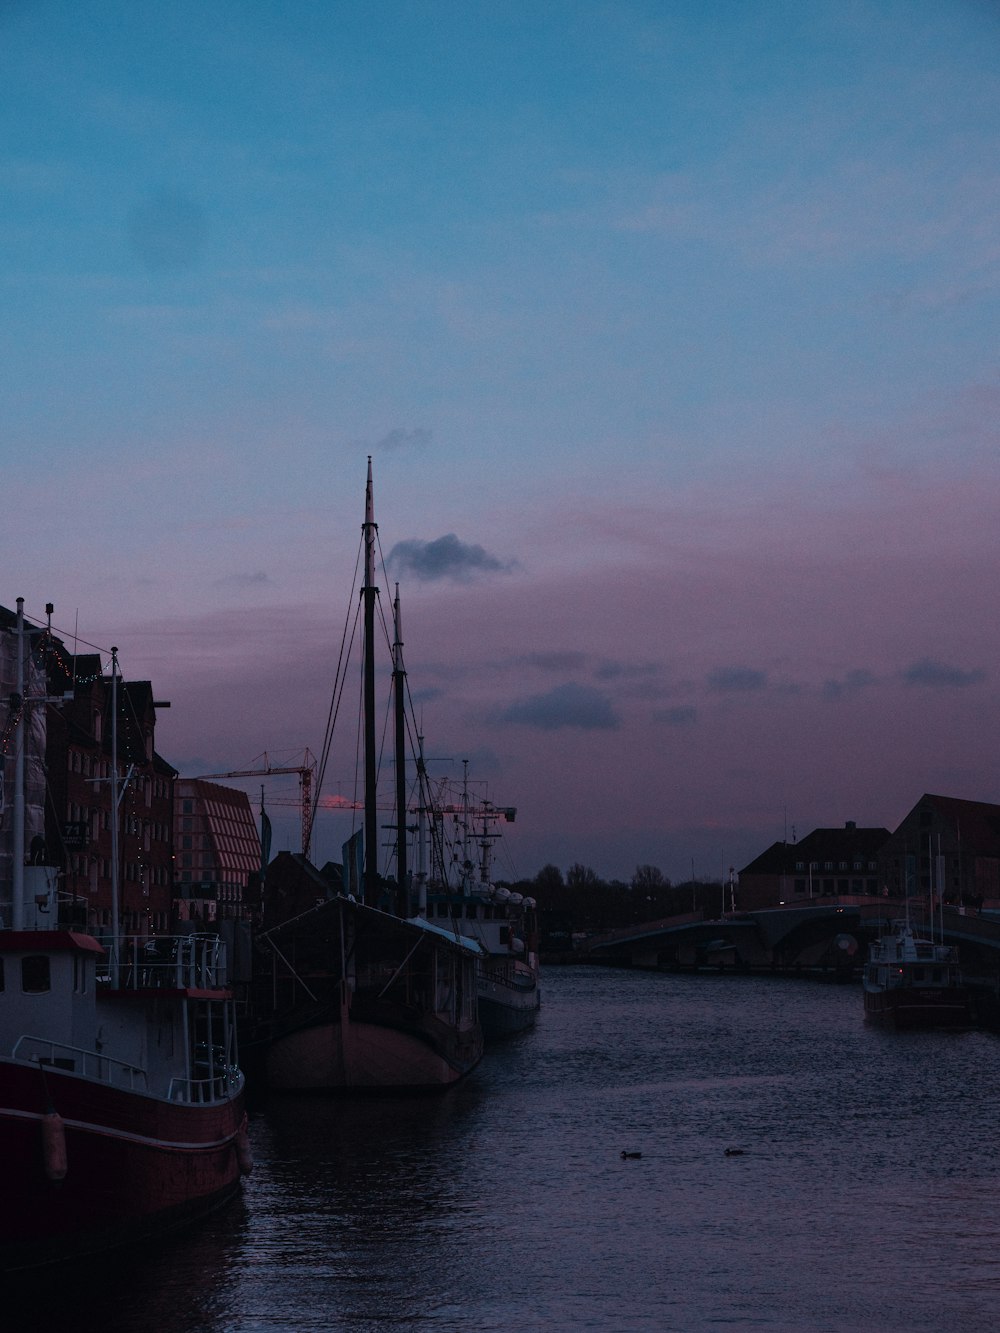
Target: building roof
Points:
(848, 843)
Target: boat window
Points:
(918, 974)
(35, 974)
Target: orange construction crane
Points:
(305, 770)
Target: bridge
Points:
(828, 936)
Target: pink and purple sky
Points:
(672, 330)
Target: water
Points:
(866, 1196)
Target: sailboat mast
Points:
(399, 701)
(17, 869)
(369, 593)
(115, 924)
(423, 800)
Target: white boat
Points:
(914, 982)
(504, 923)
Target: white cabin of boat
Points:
(155, 1019)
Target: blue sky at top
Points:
(615, 292)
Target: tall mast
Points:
(423, 797)
(115, 924)
(369, 593)
(17, 869)
(399, 701)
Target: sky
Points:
(671, 330)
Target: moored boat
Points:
(352, 990)
(913, 982)
(502, 921)
(121, 1099)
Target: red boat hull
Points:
(135, 1164)
(910, 1008)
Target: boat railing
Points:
(165, 962)
(75, 1060)
(199, 1091)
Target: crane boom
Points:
(305, 773)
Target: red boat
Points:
(121, 1103)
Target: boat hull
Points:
(330, 1056)
(911, 1009)
(135, 1165)
(506, 1010)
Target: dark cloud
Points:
(567, 705)
(938, 675)
(682, 715)
(418, 438)
(853, 681)
(732, 680)
(168, 232)
(445, 558)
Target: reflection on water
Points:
(864, 1197)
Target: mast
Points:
(399, 701)
(369, 593)
(114, 818)
(17, 869)
(423, 797)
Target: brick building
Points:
(948, 845)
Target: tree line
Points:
(581, 900)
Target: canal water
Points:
(866, 1193)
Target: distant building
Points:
(217, 850)
(946, 845)
(827, 863)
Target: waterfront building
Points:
(66, 710)
(948, 847)
(827, 863)
(217, 850)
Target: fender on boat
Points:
(54, 1157)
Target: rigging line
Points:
(340, 684)
(66, 634)
(339, 680)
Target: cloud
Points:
(853, 681)
(418, 438)
(445, 558)
(682, 715)
(938, 675)
(733, 680)
(567, 705)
